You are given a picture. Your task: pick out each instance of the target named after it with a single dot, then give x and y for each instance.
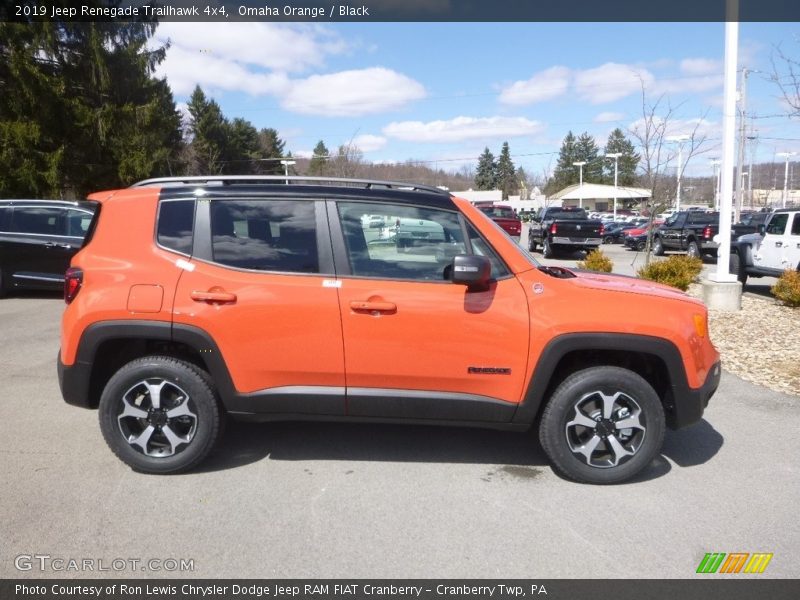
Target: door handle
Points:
(779, 244)
(374, 307)
(213, 297)
(55, 245)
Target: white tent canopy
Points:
(596, 191)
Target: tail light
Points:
(73, 280)
(553, 229)
(707, 232)
(602, 229)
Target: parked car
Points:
(775, 248)
(567, 229)
(636, 238)
(612, 234)
(262, 299)
(37, 240)
(505, 217)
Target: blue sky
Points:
(442, 92)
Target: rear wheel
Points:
(160, 415)
(3, 289)
(609, 239)
(547, 249)
(693, 250)
(531, 243)
(602, 425)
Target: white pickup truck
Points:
(770, 251)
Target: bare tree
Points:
(786, 75)
(651, 132)
(348, 161)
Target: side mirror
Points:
(471, 270)
(762, 229)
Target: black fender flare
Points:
(561, 346)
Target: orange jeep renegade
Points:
(298, 298)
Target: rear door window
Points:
(265, 235)
(39, 220)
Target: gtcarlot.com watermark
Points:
(61, 564)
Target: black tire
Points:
(586, 392)
(531, 244)
(196, 428)
(736, 267)
(658, 247)
(3, 289)
(641, 246)
(547, 249)
(693, 250)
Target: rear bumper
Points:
(567, 241)
(690, 403)
(74, 383)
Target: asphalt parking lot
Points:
(324, 500)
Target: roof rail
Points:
(291, 179)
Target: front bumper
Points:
(688, 404)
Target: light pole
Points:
(580, 187)
(286, 164)
(716, 163)
(615, 156)
(680, 139)
(787, 156)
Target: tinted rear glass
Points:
(39, 220)
(267, 235)
(176, 225)
(500, 212)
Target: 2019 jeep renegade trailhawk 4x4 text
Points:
(267, 298)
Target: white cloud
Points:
(701, 76)
(609, 117)
(544, 85)
(369, 143)
(678, 127)
(303, 153)
(610, 82)
(352, 93)
(286, 48)
(462, 128)
(185, 69)
(701, 66)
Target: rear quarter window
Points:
(176, 225)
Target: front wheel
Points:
(658, 247)
(160, 415)
(737, 268)
(602, 425)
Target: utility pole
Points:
(580, 186)
(615, 156)
(740, 163)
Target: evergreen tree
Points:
(627, 163)
(241, 148)
(586, 150)
(209, 131)
(485, 175)
(80, 109)
(505, 174)
(565, 172)
(319, 160)
(270, 146)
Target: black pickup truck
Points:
(690, 231)
(693, 231)
(564, 229)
